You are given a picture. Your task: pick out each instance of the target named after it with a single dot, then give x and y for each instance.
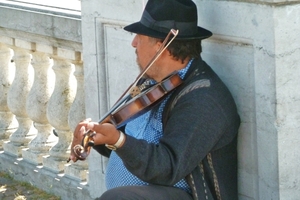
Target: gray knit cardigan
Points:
(199, 143)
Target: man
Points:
(185, 146)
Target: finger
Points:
(99, 128)
(87, 120)
(99, 139)
(90, 126)
(96, 127)
(84, 122)
(73, 158)
(106, 133)
(82, 131)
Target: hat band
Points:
(185, 28)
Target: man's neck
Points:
(170, 65)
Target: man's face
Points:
(146, 48)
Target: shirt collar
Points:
(182, 72)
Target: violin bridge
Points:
(135, 91)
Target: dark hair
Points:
(182, 49)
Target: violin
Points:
(137, 102)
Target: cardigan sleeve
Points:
(101, 149)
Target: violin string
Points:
(123, 99)
(159, 52)
(117, 105)
(161, 49)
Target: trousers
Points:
(153, 192)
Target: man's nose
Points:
(134, 41)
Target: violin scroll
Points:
(82, 150)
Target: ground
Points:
(11, 189)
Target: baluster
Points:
(36, 106)
(16, 100)
(57, 114)
(7, 123)
(77, 170)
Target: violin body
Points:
(145, 101)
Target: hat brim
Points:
(139, 28)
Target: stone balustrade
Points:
(42, 95)
(41, 91)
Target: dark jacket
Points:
(200, 126)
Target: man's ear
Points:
(158, 45)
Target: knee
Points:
(110, 195)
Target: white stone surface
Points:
(251, 43)
(112, 59)
(36, 104)
(57, 113)
(260, 63)
(41, 21)
(78, 170)
(7, 125)
(16, 100)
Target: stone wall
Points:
(256, 51)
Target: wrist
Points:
(119, 142)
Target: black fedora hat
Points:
(160, 16)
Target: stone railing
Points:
(41, 101)
(41, 91)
